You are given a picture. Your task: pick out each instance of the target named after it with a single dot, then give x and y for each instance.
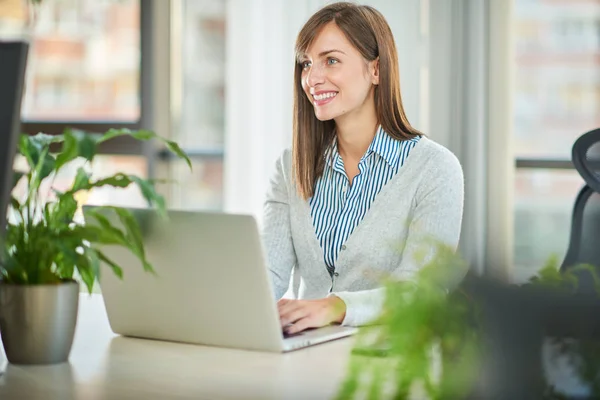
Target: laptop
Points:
(211, 286)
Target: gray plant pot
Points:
(37, 322)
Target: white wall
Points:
(260, 61)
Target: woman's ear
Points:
(375, 71)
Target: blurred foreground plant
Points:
(427, 342)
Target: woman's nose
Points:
(315, 76)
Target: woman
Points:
(361, 188)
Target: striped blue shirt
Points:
(338, 207)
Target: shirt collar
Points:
(333, 158)
(383, 145)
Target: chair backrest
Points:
(584, 243)
(586, 158)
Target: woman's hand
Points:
(304, 314)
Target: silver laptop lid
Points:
(211, 284)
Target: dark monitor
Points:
(13, 59)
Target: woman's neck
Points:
(354, 136)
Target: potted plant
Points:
(46, 247)
(479, 339)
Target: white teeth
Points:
(324, 95)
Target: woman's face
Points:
(335, 77)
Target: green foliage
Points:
(428, 340)
(423, 329)
(44, 244)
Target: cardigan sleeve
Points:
(276, 232)
(437, 215)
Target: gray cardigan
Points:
(423, 200)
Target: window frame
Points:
(543, 163)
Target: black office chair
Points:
(584, 243)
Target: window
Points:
(199, 128)
(84, 62)
(557, 99)
(543, 205)
(84, 70)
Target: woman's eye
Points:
(331, 61)
(305, 64)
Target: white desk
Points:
(103, 365)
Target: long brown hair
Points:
(370, 34)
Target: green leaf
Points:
(118, 180)
(67, 258)
(31, 147)
(77, 143)
(86, 270)
(86, 143)
(146, 135)
(69, 151)
(150, 194)
(62, 212)
(47, 167)
(94, 259)
(115, 268)
(94, 234)
(44, 140)
(113, 133)
(133, 236)
(110, 231)
(81, 181)
(174, 148)
(142, 134)
(131, 239)
(29, 151)
(43, 168)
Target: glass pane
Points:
(544, 202)
(201, 189)
(203, 74)
(84, 62)
(557, 88)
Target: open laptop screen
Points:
(12, 74)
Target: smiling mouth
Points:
(324, 98)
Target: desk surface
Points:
(103, 365)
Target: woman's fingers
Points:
(286, 309)
(286, 306)
(292, 316)
(304, 314)
(300, 325)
